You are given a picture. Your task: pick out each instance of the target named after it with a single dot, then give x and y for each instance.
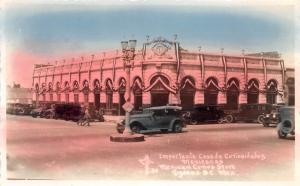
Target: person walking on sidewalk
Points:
(85, 119)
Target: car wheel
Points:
(120, 131)
(229, 119)
(47, 116)
(194, 122)
(136, 129)
(177, 127)
(221, 120)
(266, 124)
(281, 134)
(260, 119)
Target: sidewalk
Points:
(113, 119)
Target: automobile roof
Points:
(204, 105)
(164, 107)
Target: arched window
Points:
(67, 86)
(122, 89)
(290, 82)
(211, 91)
(159, 93)
(271, 91)
(57, 89)
(253, 91)
(85, 91)
(109, 94)
(187, 92)
(138, 93)
(232, 95)
(97, 93)
(50, 86)
(75, 89)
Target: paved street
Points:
(56, 149)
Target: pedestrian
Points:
(87, 116)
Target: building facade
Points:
(162, 73)
(18, 95)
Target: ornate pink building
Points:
(162, 73)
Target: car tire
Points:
(281, 134)
(221, 120)
(177, 127)
(120, 131)
(229, 118)
(266, 124)
(194, 122)
(260, 119)
(136, 129)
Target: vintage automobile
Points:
(73, 112)
(162, 118)
(273, 117)
(19, 109)
(204, 113)
(287, 121)
(38, 112)
(249, 113)
(68, 111)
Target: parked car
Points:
(68, 111)
(49, 113)
(249, 113)
(162, 118)
(204, 113)
(38, 112)
(273, 117)
(19, 109)
(287, 123)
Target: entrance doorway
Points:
(159, 99)
(233, 93)
(211, 92)
(159, 94)
(97, 94)
(122, 89)
(253, 91)
(97, 101)
(271, 91)
(187, 93)
(138, 94)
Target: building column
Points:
(222, 98)
(199, 97)
(262, 98)
(242, 98)
(174, 99)
(91, 97)
(146, 99)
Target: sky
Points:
(42, 33)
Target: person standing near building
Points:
(87, 116)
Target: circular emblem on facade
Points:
(160, 49)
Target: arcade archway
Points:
(109, 94)
(211, 91)
(187, 93)
(159, 93)
(232, 93)
(271, 91)
(97, 94)
(122, 90)
(253, 91)
(138, 94)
